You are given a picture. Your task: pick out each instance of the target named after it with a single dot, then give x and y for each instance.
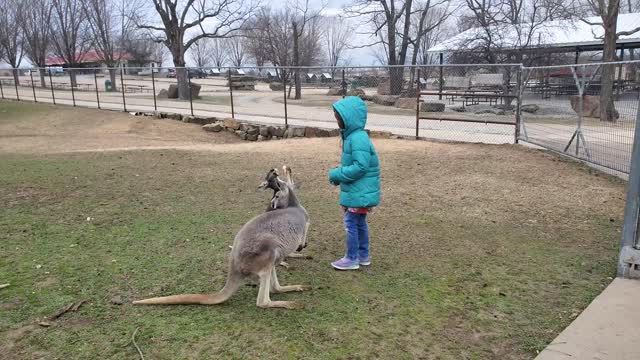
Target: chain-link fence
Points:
(573, 110)
(295, 96)
(556, 107)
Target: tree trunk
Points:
(395, 73)
(72, 77)
(43, 81)
(296, 61)
(112, 78)
(16, 76)
(607, 110)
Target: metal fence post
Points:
(344, 85)
(124, 102)
(95, 78)
(53, 93)
(284, 92)
(629, 240)
(233, 114)
(73, 95)
(1, 90)
(418, 90)
(441, 78)
(15, 83)
(33, 86)
(518, 104)
(153, 86)
(190, 93)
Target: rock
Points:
(252, 137)
(195, 90)
(590, 106)
(385, 100)
(287, 133)
(530, 108)
(241, 134)
(175, 116)
(188, 119)
(264, 131)
(431, 107)
(490, 111)
(335, 92)
(243, 127)
(383, 87)
(252, 130)
(202, 120)
(380, 134)
(276, 86)
(322, 133)
(277, 132)
(231, 123)
(163, 94)
(261, 138)
(172, 92)
(117, 300)
(298, 132)
(164, 116)
(310, 132)
(334, 132)
(149, 114)
(212, 127)
(458, 108)
(356, 92)
(366, 97)
(405, 103)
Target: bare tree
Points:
(110, 25)
(36, 30)
(184, 23)
(336, 35)
(11, 39)
(201, 52)
(607, 11)
(303, 32)
(218, 53)
(144, 49)
(70, 33)
(390, 23)
(236, 50)
(428, 18)
(275, 33)
(256, 48)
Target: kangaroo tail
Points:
(234, 281)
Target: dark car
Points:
(196, 73)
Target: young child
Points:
(359, 180)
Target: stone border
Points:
(255, 132)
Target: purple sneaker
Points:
(365, 261)
(346, 264)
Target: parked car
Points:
(196, 73)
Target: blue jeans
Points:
(357, 235)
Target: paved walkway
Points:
(609, 329)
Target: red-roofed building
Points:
(93, 59)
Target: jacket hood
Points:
(353, 112)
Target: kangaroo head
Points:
(281, 189)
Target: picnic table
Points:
(137, 88)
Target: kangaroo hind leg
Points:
(264, 301)
(277, 288)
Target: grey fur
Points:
(259, 246)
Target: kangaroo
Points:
(259, 246)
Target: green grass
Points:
(457, 272)
(13, 111)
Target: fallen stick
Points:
(61, 312)
(4, 286)
(77, 305)
(133, 340)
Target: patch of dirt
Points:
(12, 337)
(69, 129)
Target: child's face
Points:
(339, 119)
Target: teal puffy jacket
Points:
(359, 176)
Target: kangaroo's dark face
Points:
(280, 197)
